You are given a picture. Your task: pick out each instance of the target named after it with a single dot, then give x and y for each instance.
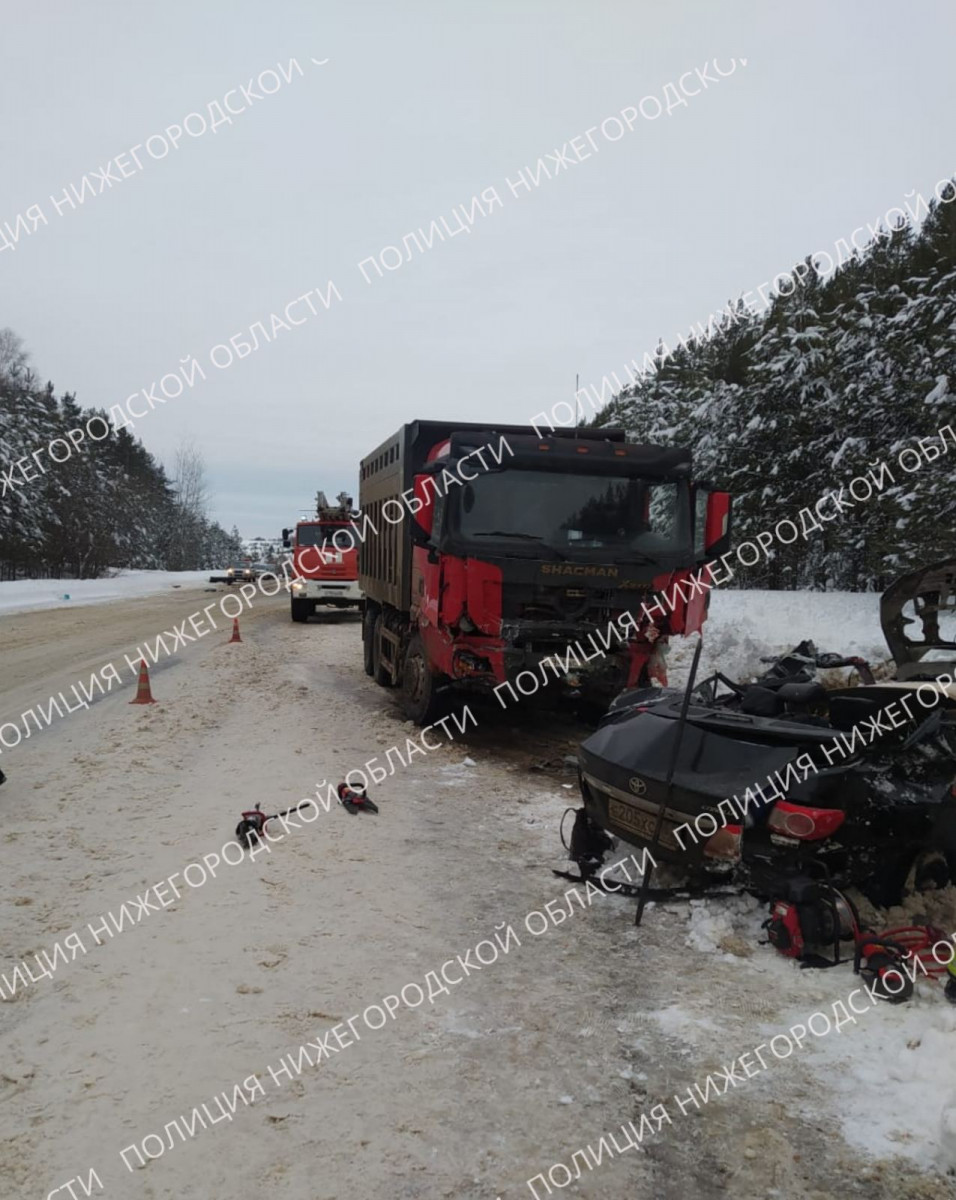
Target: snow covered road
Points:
(21, 595)
(527, 1060)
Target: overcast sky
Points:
(841, 110)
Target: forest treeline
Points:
(783, 406)
(109, 504)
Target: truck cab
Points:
(521, 554)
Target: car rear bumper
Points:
(634, 818)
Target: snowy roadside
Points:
(22, 595)
(886, 1082)
(873, 1102)
(743, 626)
(567, 1037)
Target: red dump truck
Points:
(324, 558)
(487, 549)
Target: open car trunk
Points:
(918, 615)
(858, 781)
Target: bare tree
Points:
(192, 501)
(192, 492)
(13, 356)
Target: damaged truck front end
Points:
(550, 564)
(530, 625)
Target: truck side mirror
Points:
(285, 538)
(712, 523)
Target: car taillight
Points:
(805, 824)
(725, 843)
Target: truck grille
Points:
(557, 603)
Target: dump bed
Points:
(385, 557)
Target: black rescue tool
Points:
(878, 960)
(668, 782)
(658, 894)
(588, 843)
(249, 830)
(587, 848)
(355, 801)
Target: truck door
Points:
(426, 568)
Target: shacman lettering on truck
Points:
(324, 558)
(516, 548)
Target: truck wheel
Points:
(420, 700)
(380, 673)
(301, 610)
(368, 641)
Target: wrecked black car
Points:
(780, 776)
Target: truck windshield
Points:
(321, 533)
(571, 512)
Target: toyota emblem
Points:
(637, 785)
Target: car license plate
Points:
(642, 823)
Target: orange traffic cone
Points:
(235, 632)
(143, 694)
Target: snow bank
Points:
(743, 626)
(22, 594)
(728, 927)
(892, 1079)
(887, 1082)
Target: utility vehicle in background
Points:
(324, 558)
(241, 570)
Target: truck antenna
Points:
(668, 779)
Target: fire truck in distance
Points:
(325, 566)
(500, 566)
